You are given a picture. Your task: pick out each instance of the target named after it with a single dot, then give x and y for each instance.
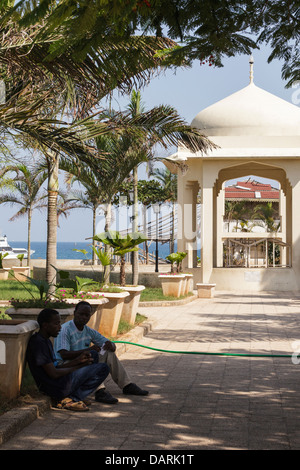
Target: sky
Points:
(188, 91)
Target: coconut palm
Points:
(169, 184)
(38, 86)
(235, 210)
(266, 214)
(91, 196)
(135, 107)
(27, 185)
(42, 76)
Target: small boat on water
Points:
(12, 252)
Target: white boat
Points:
(12, 252)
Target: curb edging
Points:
(18, 418)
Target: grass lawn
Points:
(156, 293)
(13, 289)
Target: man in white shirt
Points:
(75, 337)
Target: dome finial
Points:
(251, 62)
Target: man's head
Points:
(82, 314)
(49, 322)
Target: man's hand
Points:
(84, 359)
(109, 346)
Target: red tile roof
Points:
(251, 190)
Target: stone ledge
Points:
(18, 418)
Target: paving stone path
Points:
(200, 401)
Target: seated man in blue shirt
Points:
(68, 384)
(76, 338)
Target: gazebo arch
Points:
(256, 133)
(254, 167)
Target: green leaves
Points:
(117, 41)
(2, 256)
(176, 258)
(42, 286)
(104, 258)
(121, 244)
(76, 284)
(20, 256)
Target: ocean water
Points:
(65, 250)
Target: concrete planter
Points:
(25, 314)
(4, 274)
(97, 311)
(111, 312)
(189, 283)
(205, 291)
(172, 284)
(14, 337)
(20, 272)
(183, 285)
(131, 303)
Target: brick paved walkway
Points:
(196, 401)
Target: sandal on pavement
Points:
(69, 404)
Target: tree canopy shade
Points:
(205, 29)
(29, 54)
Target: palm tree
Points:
(26, 193)
(91, 196)
(65, 203)
(169, 184)
(46, 73)
(235, 210)
(135, 107)
(266, 213)
(39, 84)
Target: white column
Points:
(207, 230)
(282, 229)
(219, 222)
(296, 229)
(187, 222)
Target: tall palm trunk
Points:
(94, 233)
(107, 269)
(135, 254)
(122, 271)
(53, 186)
(173, 228)
(145, 233)
(29, 235)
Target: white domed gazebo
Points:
(256, 133)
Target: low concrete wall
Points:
(8, 263)
(255, 279)
(148, 279)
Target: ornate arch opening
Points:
(253, 228)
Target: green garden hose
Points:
(206, 353)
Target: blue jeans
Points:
(87, 379)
